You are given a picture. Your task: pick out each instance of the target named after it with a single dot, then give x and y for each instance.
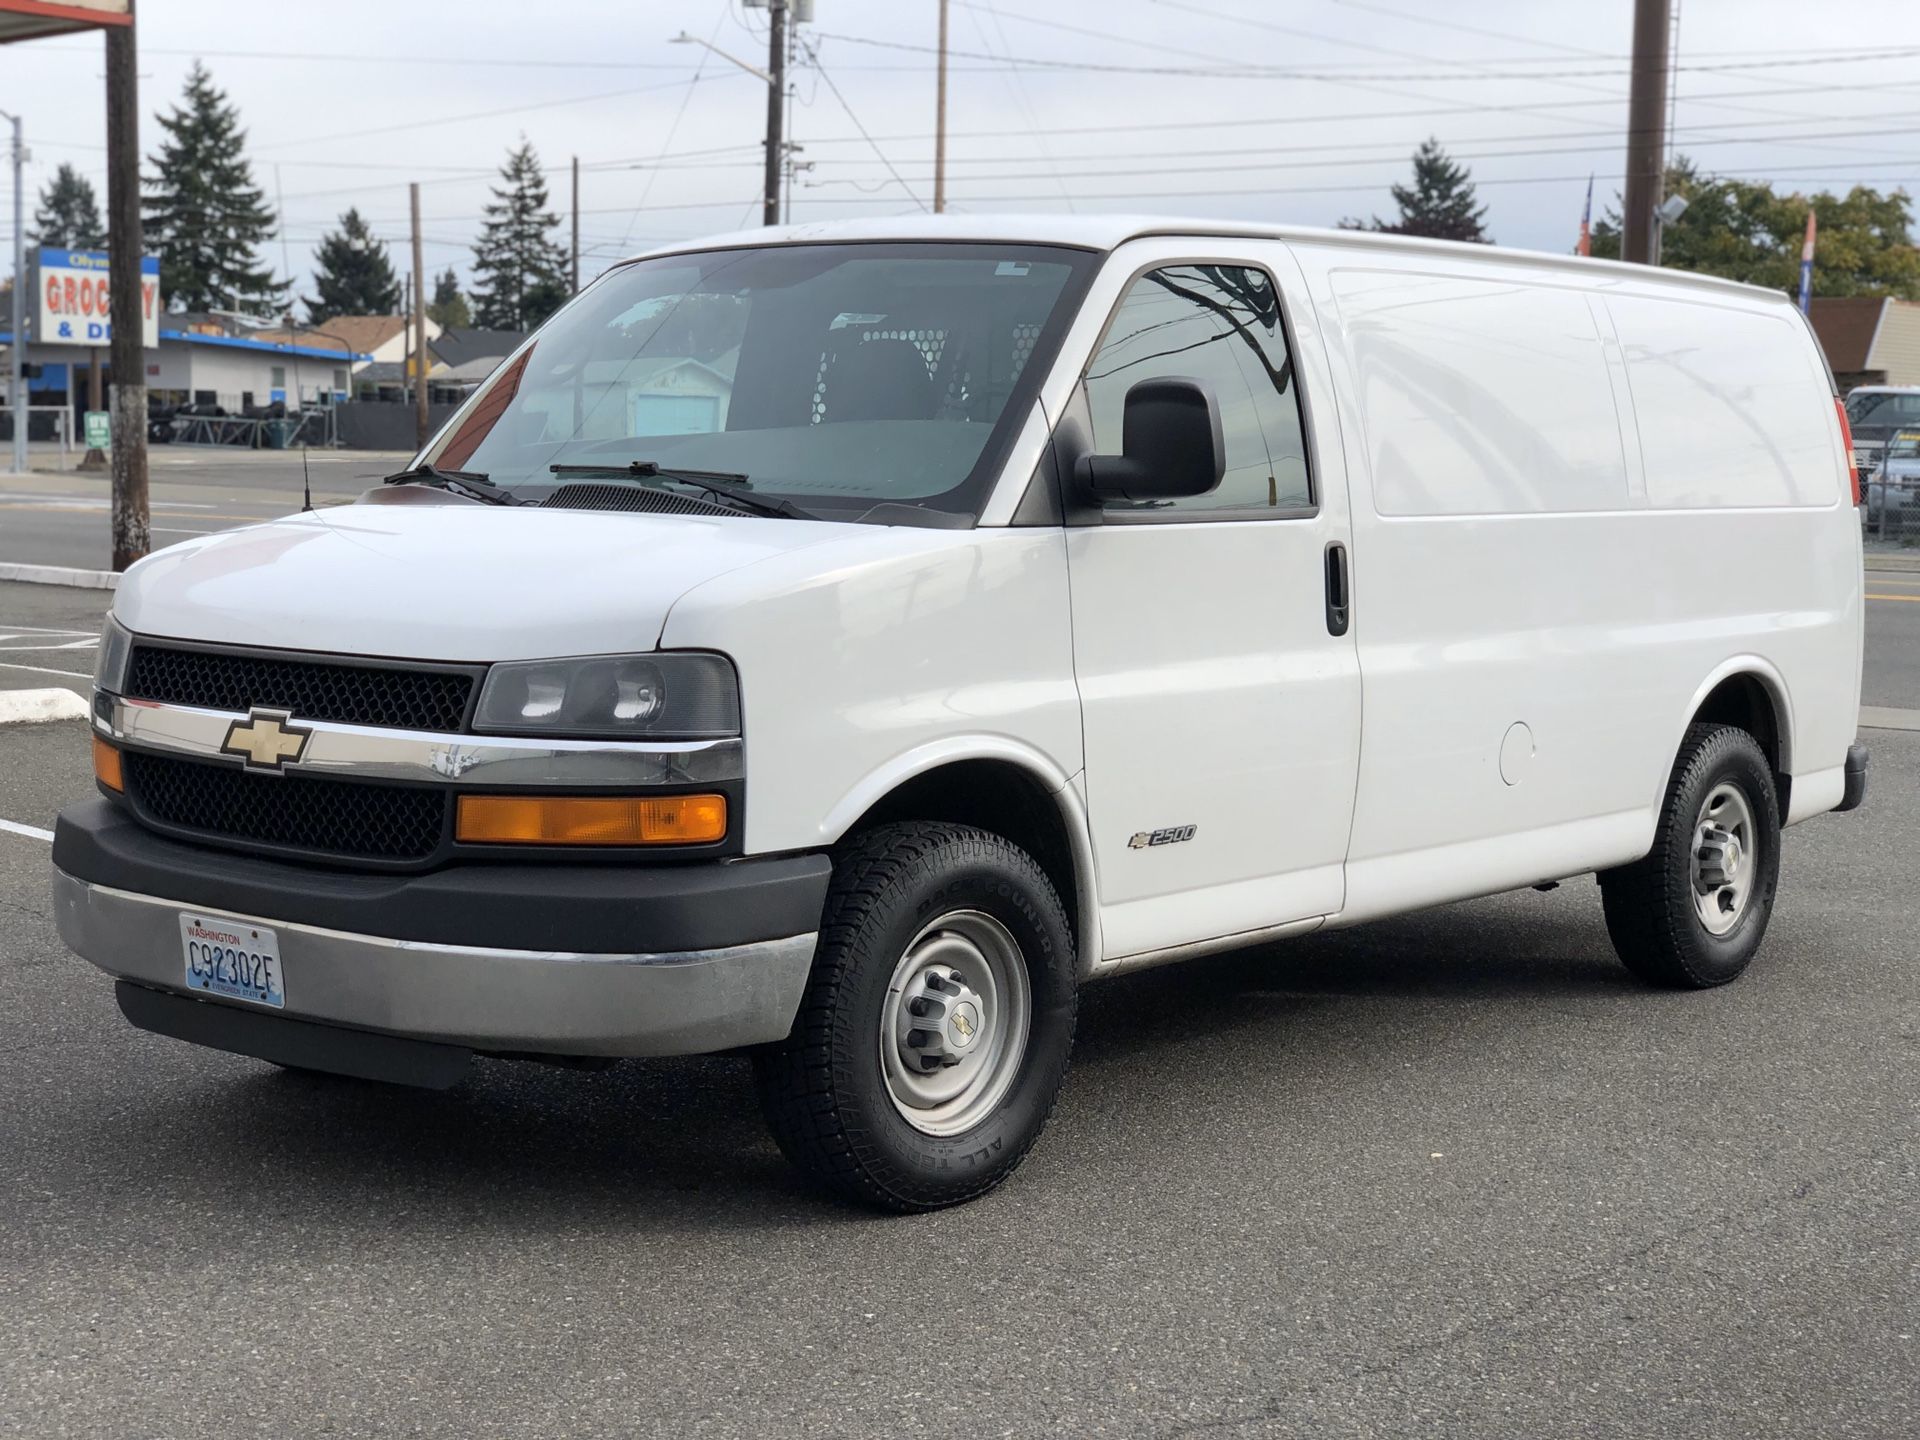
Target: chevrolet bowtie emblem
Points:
(266, 739)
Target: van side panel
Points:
(1529, 666)
(1731, 412)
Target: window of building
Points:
(1219, 324)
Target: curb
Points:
(35, 707)
(60, 575)
(1902, 560)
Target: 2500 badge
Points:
(1172, 835)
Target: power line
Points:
(813, 56)
(1271, 72)
(487, 114)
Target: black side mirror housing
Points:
(1171, 445)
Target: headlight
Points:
(116, 647)
(674, 696)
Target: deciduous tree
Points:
(1745, 230)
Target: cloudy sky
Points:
(1294, 110)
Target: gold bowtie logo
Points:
(963, 1025)
(266, 739)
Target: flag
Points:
(1584, 245)
(1806, 267)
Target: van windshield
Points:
(836, 377)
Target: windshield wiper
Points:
(468, 483)
(727, 484)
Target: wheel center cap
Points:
(963, 1024)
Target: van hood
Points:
(451, 581)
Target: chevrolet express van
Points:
(836, 644)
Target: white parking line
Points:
(48, 670)
(32, 832)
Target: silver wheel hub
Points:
(1724, 858)
(953, 1028)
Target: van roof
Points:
(1105, 232)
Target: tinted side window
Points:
(1219, 324)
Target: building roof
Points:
(362, 334)
(1846, 326)
(254, 342)
(1104, 232)
(459, 346)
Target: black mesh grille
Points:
(369, 822)
(631, 498)
(312, 689)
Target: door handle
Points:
(1339, 593)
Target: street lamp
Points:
(16, 352)
(683, 38)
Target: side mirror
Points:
(1171, 446)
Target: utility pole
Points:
(126, 348)
(576, 224)
(1646, 130)
(776, 106)
(940, 122)
(419, 324)
(17, 351)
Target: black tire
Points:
(1651, 916)
(823, 1090)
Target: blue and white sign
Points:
(72, 291)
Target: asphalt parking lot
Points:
(59, 517)
(1454, 1174)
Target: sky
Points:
(1295, 111)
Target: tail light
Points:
(1846, 439)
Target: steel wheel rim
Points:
(1725, 859)
(959, 996)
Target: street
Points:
(1452, 1173)
(56, 517)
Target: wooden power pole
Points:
(1646, 129)
(940, 122)
(420, 424)
(776, 107)
(576, 224)
(132, 535)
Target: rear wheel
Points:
(936, 1028)
(1692, 913)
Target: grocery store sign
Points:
(72, 290)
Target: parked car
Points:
(1893, 487)
(1874, 412)
(1026, 601)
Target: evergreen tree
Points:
(355, 275)
(69, 215)
(1440, 204)
(521, 272)
(203, 212)
(449, 309)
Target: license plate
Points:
(233, 959)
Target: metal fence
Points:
(314, 428)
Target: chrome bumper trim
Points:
(550, 1002)
(372, 753)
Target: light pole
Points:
(775, 81)
(16, 352)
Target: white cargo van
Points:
(921, 618)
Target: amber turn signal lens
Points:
(590, 820)
(106, 765)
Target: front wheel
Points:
(1693, 912)
(936, 1027)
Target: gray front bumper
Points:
(548, 1002)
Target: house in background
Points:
(1869, 339)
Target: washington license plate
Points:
(233, 959)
